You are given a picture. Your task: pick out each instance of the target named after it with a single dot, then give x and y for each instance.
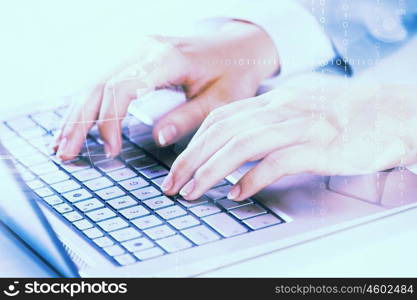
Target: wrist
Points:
(250, 47)
(237, 46)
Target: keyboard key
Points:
(77, 195)
(171, 212)
(21, 123)
(83, 224)
(122, 202)
(114, 250)
(100, 214)
(112, 224)
(91, 147)
(96, 156)
(146, 222)
(134, 183)
(33, 159)
(20, 150)
(146, 193)
(65, 186)
(88, 205)
(131, 154)
(159, 232)
(247, 211)
(158, 202)
(63, 208)
(142, 162)
(158, 181)
(45, 168)
(93, 233)
(34, 184)
(87, 174)
(72, 216)
(103, 241)
(174, 243)
(153, 172)
(184, 222)
(45, 148)
(33, 132)
(138, 244)
(220, 183)
(134, 212)
(225, 225)
(55, 177)
(191, 203)
(98, 184)
(53, 200)
(44, 192)
(125, 259)
(15, 144)
(149, 253)
(205, 210)
(75, 166)
(218, 192)
(127, 146)
(48, 120)
(201, 234)
(110, 165)
(27, 176)
(122, 174)
(230, 204)
(125, 234)
(262, 221)
(109, 193)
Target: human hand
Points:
(221, 67)
(323, 126)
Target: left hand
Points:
(341, 128)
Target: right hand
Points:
(213, 70)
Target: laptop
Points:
(100, 217)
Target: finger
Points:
(80, 120)
(249, 146)
(226, 111)
(63, 122)
(289, 161)
(201, 150)
(116, 99)
(186, 118)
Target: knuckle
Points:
(216, 115)
(274, 162)
(219, 127)
(180, 165)
(240, 142)
(203, 174)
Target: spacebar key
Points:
(225, 224)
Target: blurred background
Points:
(51, 48)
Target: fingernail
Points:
(166, 134)
(187, 189)
(107, 150)
(234, 193)
(167, 183)
(62, 148)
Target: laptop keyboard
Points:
(117, 204)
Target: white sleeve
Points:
(300, 41)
